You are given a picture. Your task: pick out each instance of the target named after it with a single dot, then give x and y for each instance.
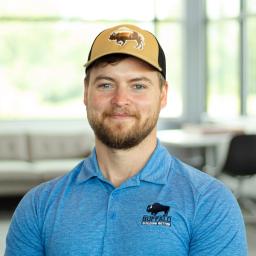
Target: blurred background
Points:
(210, 46)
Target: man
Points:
(130, 197)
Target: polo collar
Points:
(155, 171)
(158, 166)
(90, 168)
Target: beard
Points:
(118, 136)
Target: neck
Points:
(119, 165)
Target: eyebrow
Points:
(103, 78)
(136, 79)
(139, 79)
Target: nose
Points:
(120, 97)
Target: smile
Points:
(120, 116)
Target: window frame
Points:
(242, 54)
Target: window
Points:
(231, 57)
(251, 58)
(44, 45)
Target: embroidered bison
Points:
(123, 35)
(155, 208)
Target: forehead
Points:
(126, 66)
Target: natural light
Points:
(45, 45)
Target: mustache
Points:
(120, 111)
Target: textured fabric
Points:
(168, 208)
(13, 146)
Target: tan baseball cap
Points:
(131, 40)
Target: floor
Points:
(4, 223)
(8, 205)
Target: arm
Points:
(24, 236)
(218, 227)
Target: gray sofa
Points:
(29, 157)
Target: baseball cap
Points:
(130, 40)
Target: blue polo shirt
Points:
(168, 208)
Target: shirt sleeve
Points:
(24, 236)
(218, 227)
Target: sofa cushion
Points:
(61, 145)
(13, 146)
(49, 169)
(17, 171)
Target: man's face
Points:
(123, 101)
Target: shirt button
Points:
(113, 216)
(114, 196)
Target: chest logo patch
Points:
(158, 215)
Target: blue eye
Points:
(105, 86)
(139, 86)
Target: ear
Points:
(85, 91)
(164, 92)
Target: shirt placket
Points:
(111, 231)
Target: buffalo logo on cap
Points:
(124, 34)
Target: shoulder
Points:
(211, 208)
(198, 189)
(189, 176)
(206, 195)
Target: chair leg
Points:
(248, 206)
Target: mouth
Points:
(120, 116)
